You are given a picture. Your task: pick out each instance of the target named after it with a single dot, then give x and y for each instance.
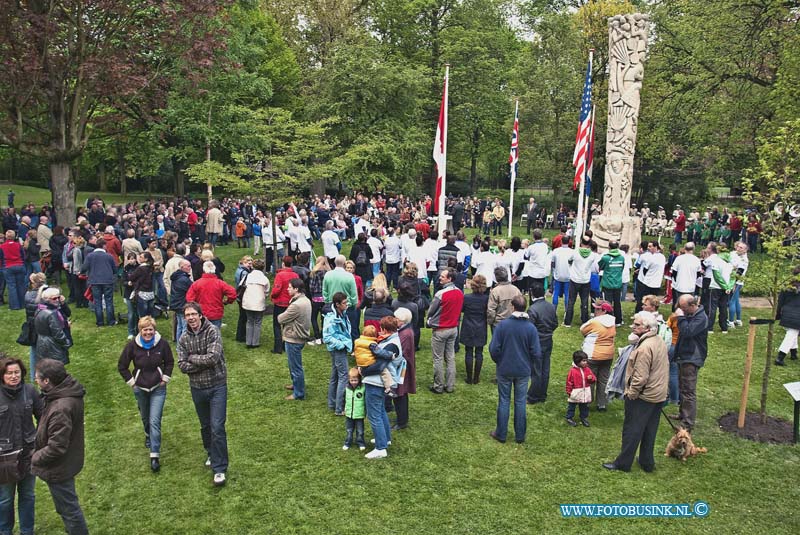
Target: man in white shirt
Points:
(537, 257)
(651, 273)
(393, 248)
(684, 273)
(331, 244)
(361, 225)
(582, 262)
(376, 245)
(560, 262)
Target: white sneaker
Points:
(388, 442)
(208, 462)
(710, 332)
(130, 337)
(731, 325)
(362, 448)
(376, 454)
(219, 479)
(738, 323)
(345, 447)
(223, 326)
(319, 341)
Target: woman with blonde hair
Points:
(38, 282)
(152, 367)
(321, 267)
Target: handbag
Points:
(581, 395)
(25, 337)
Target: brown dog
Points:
(681, 446)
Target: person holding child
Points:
(579, 381)
(365, 358)
(388, 347)
(354, 410)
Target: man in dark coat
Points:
(788, 314)
(514, 347)
(690, 354)
(543, 316)
(58, 454)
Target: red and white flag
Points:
(582, 140)
(440, 151)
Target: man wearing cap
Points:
(598, 343)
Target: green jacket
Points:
(339, 280)
(355, 403)
(612, 265)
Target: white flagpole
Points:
(513, 177)
(442, 221)
(588, 169)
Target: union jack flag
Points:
(583, 143)
(513, 157)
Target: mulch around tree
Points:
(775, 431)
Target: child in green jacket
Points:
(355, 408)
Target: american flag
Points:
(440, 151)
(583, 144)
(513, 157)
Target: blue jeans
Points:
(144, 308)
(32, 369)
(541, 373)
(376, 414)
(393, 274)
(504, 404)
(338, 381)
(211, 405)
(354, 315)
(674, 382)
(678, 237)
(103, 293)
(584, 410)
(158, 286)
(15, 280)
(133, 318)
(559, 289)
(216, 323)
(734, 306)
(66, 501)
(32, 267)
(180, 324)
(151, 406)
(212, 238)
(294, 354)
(25, 506)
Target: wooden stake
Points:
(748, 364)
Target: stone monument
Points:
(627, 44)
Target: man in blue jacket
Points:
(102, 272)
(690, 354)
(514, 347)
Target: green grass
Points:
(40, 196)
(444, 474)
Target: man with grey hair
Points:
(130, 244)
(499, 307)
(646, 383)
(211, 293)
(690, 354)
(331, 244)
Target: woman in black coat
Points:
(473, 327)
(361, 254)
(789, 315)
(19, 403)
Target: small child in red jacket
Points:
(579, 383)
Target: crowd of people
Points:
(368, 309)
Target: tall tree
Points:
(62, 59)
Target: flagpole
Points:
(442, 218)
(579, 218)
(589, 165)
(513, 176)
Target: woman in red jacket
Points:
(280, 300)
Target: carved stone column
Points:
(627, 44)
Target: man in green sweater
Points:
(612, 265)
(339, 280)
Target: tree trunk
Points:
(473, 165)
(318, 187)
(208, 156)
(123, 178)
(63, 192)
(101, 174)
(178, 178)
(770, 342)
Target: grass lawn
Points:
(444, 474)
(40, 196)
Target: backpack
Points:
(361, 258)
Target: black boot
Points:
(779, 360)
(793, 353)
(469, 372)
(476, 376)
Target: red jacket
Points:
(210, 293)
(680, 223)
(280, 288)
(579, 377)
(113, 247)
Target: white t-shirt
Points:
(686, 267)
(394, 249)
(715, 263)
(626, 270)
(740, 262)
(580, 271)
(561, 258)
(538, 260)
(484, 263)
(419, 256)
(376, 245)
(654, 263)
(329, 241)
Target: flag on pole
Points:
(513, 157)
(590, 159)
(440, 151)
(582, 140)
